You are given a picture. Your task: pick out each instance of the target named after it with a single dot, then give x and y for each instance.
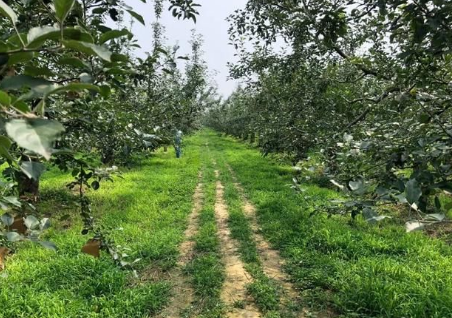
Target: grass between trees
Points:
(355, 270)
(206, 270)
(146, 212)
(359, 270)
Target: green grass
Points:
(356, 269)
(264, 291)
(146, 212)
(206, 270)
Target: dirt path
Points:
(234, 293)
(182, 291)
(272, 262)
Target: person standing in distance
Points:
(178, 143)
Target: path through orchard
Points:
(263, 250)
(251, 279)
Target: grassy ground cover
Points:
(206, 270)
(263, 290)
(355, 269)
(146, 211)
(359, 270)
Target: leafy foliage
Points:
(365, 86)
(70, 85)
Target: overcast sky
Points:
(211, 23)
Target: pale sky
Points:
(211, 23)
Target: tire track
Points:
(234, 291)
(183, 293)
(272, 263)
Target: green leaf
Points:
(411, 226)
(62, 8)
(424, 118)
(40, 108)
(357, 187)
(37, 71)
(5, 100)
(95, 185)
(437, 203)
(13, 236)
(89, 48)
(99, 10)
(37, 36)
(72, 61)
(105, 91)
(7, 219)
(44, 224)
(86, 78)
(136, 16)
(36, 135)
(75, 87)
(5, 145)
(159, 49)
(21, 57)
(20, 81)
(369, 213)
(435, 217)
(49, 245)
(31, 222)
(8, 12)
(14, 42)
(12, 200)
(113, 34)
(115, 57)
(40, 91)
(413, 191)
(375, 219)
(3, 57)
(21, 106)
(32, 169)
(45, 90)
(77, 34)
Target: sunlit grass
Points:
(206, 270)
(145, 211)
(357, 269)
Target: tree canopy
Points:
(365, 84)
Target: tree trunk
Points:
(27, 185)
(252, 137)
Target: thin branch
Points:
(352, 81)
(22, 50)
(363, 115)
(364, 69)
(434, 117)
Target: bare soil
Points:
(234, 293)
(182, 291)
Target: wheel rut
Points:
(182, 292)
(272, 263)
(234, 292)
